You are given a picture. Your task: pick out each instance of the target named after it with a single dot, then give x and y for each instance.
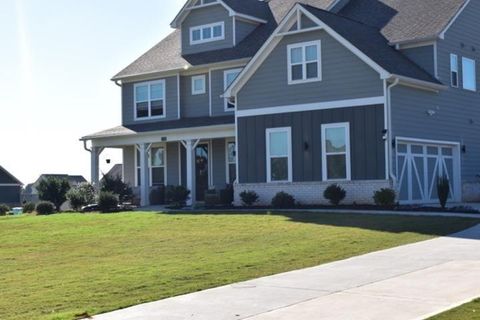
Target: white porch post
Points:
(95, 165)
(190, 146)
(144, 174)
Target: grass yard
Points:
(469, 311)
(60, 266)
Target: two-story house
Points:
(292, 96)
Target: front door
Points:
(201, 171)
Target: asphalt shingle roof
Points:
(7, 178)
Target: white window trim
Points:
(465, 59)
(149, 84)
(346, 126)
(204, 80)
(227, 141)
(137, 161)
(288, 130)
(225, 86)
(303, 45)
(211, 26)
(454, 68)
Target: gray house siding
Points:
(344, 75)
(457, 111)
(367, 145)
(423, 56)
(202, 16)
(173, 170)
(192, 106)
(128, 105)
(10, 194)
(218, 103)
(129, 165)
(219, 164)
(243, 29)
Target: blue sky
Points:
(56, 59)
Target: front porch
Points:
(199, 159)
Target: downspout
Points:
(390, 131)
(85, 146)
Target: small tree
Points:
(443, 190)
(116, 186)
(53, 190)
(335, 194)
(81, 195)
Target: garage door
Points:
(420, 163)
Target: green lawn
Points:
(469, 311)
(60, 266)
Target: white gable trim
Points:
(442, 34)
(276, 37)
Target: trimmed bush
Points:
(283, 200)
(334, 194)
(443, 190)
(157, 196)
(81, 195)
(45, 208)
(28, 207)
(4, 209)
(177, 196)
(117, 186)
(211, 198)
(53, 190)
(226, 195)
(107, 201)
(249, 198)
(385, 197)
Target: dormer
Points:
(208, 25)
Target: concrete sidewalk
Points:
(409, 282)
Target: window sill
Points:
(293, 82)
(149, 118)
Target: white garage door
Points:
(420, 163)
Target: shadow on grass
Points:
(434, 226)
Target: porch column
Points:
(190, 146)
(95, 165)
(144, 149)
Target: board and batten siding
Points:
(128, 104)
(344, 76)
(366, 140)
(203, 16)
(197, 105)
(10, 194)
(456, 111)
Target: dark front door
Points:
(201, 171)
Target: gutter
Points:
(421, 84)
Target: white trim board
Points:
(380, 100)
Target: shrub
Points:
(117, 186)
(107, 201)
(335, 194)
(385, 197)
(4, 209)
(157, 196)
(443, 190)
(53, 190)
(76, 199)
(248, 198)
(226, 195)
(29, 207)
(283, 200)
(87, 191)
(45, 208)
(177, 196)
(211, 198)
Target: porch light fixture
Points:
(306, 146)
(464, 148)
(384, 134)
(108, 161)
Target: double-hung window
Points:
(198, 85)
(304, 62)
(469, 74)
(336, 151)
(454, 70)
(156, 166)
(207, 33)
(279, 155)
(231, 162)
(149, 100)
(228, 77)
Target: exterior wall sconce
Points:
(394, 144)
(306, 146)
(464, 148)
(384, 134)
(108, 161)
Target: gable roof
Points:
(7, 178)
(405, 20)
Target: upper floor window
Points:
(228, 77)
(336, 151)
(149, 100)
(454, 70)
(304, 62)
(469, 74)
(198, 85)
(279, 155)
(207, 33)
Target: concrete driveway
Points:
(409, 282)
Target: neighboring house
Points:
(115, 172)
(30, 193)
(285, 96)
(10, 188)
